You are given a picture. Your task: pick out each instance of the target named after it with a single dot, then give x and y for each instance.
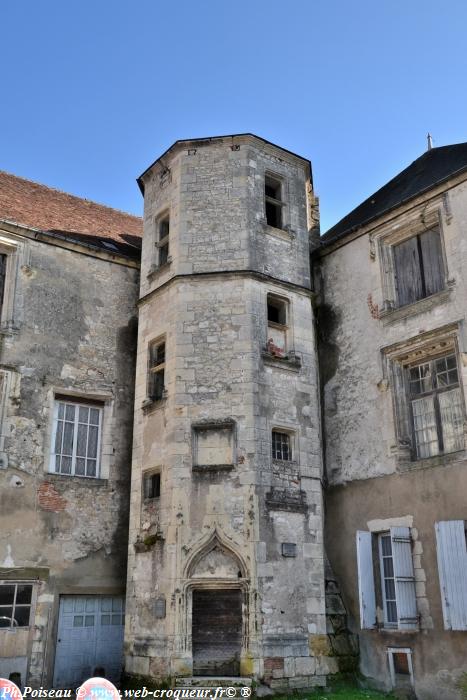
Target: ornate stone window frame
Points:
(383, 242)
(396, 359)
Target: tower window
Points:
(163, 231)
(277, 310)
(152, 485)
(156, 373)
(273, 201)
(281, 446)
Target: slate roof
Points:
(432, 168)
(68, 217)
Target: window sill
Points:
(201, 468)
(94, 481)
(155, 270)
(150, 405)
(290, 361)
(430, 462)
(285, 234)
(417, 307)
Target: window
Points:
(3, 265)
(390, 585)
(152, 485)
(281, 446)
(156, 374)
(436, 406)
(163, 231)
(273, 201)
(76, 438)
(418, 267)
(277, 310)
(451, 549)
(400, 667)
(15, 605)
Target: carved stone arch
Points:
(216, 558)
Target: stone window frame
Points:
(6, 386)
(424, 218)
(392, 671)
(7, 311)
(285, 229)
(150, 402)
(160, 243)
(106, 442)
(221, 423)
(148, 473)
(293, 444)
(396, 359)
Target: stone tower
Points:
(226, 551)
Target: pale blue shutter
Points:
(452, 570)
(366, 582)
(407, 615)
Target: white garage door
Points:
(90, 637)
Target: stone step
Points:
(212, 682)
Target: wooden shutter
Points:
(408, 273)
(452, 570)
(366, 581)
(404, 578)
(433, 268)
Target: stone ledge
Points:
(417, 307)
(292, 362)
(155, 270)
(202, 468)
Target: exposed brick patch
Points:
(272, 663)
(49, 498)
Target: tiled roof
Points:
(66, 216)
(432, 168)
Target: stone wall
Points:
(70, 329)
(209, 304)
(374, 482)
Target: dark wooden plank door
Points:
(217, 632)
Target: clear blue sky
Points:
(94, 90)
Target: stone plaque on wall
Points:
(289, 549)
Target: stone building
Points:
(393, 363)
(197, 441)
(68, 292)
(225, 572)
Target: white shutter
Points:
(452, 569)
(452, 419)
(366, 582)
(404, 578)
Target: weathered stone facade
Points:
(235, 427)
(227, 510)
(376, 480)
(68, 330)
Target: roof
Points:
(206, 139)
(68, 217)
(432, 168)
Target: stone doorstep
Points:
(212, 682)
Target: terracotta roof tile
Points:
(66, 216)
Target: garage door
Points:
(89, 639)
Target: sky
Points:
(93, 91)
